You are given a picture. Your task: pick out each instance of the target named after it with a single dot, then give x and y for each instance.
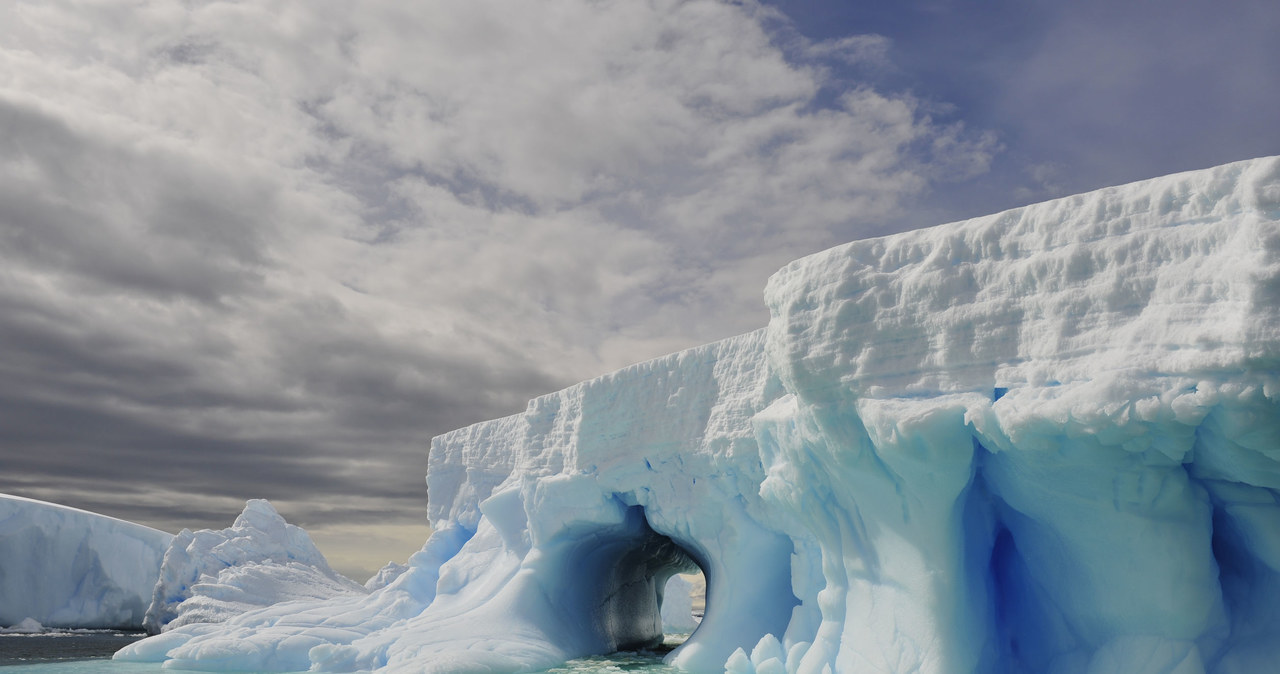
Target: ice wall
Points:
(63, 567)
(1030, 440)
(1046, 440)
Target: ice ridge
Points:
(208, 576)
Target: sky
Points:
(268, 249)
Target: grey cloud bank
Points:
(270, 249)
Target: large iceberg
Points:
(1046, 440)
(63, 567)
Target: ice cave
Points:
(1043, 441)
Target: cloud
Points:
(270, 249)
(854, 50)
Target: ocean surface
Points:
(90, 653)
(56, 648)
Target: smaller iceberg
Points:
(63, 567)
(24, 626)
(385, 575)
(209, 576)
(677, 606)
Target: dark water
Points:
(25, 649)
(90, 653)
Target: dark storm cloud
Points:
(348, 415)
(120, 219)
(383, 384)
(127, 272)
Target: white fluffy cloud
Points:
(275, 245)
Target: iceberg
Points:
(209, 576)
(677, 607)
(1045, 440)
(383, 577)
(67, 568)
(25, 626)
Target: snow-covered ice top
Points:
(63, 567)
(1171, 276)
(209, 576)
(1046, 440)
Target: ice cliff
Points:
(1046, 440)
(63, 567)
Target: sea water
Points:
(68, 646)
(90, 653)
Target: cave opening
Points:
(683, 604)
(618, 583)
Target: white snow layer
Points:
(63, 567)
(1046, 440)
(208, 576)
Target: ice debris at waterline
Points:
(63, 567)
(1046, 440)
(208, 576)
(24, 626)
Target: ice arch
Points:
(618, 583)
(537, 486)
(1046, 440)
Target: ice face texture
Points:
(62, 567)
(1028, 442)
(1046, 440)
(209, 576)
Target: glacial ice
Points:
(63, 567)
(67, 568)
(24, 626)
(1045, 440)
(208, 576)
(677, 606)
(383, 577)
